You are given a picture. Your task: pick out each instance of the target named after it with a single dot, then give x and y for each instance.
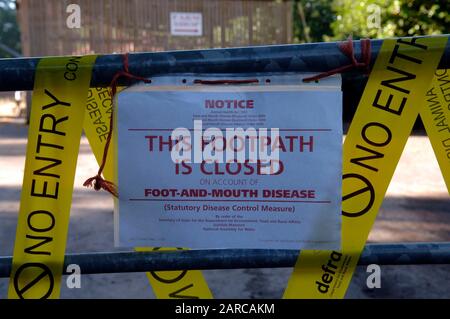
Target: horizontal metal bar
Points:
(18, 74)
(117, 262)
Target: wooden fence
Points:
(109, 26)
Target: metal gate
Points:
(18, 74)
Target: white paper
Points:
(208, 207)
(186, 23)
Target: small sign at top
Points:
(186, 23)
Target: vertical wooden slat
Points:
(23, 18)
(288, 24)
(222, 23)
(249, 13)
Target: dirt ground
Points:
(417, 208)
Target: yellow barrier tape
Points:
(57, 113)
(372, 149)
(166, 284)
(435, 114)
(96, 126)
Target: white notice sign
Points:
(229, 167)
(186, 23)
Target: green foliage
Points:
(337, 19)
(421, 17)
(318, 17)
(9, 30)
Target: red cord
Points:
(97, 181)
(347, 48)
(215, 82)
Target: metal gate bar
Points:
(119, 262)
(18, 73)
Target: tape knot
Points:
(346, 48)
(97, 181)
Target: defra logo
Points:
(329, 272)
